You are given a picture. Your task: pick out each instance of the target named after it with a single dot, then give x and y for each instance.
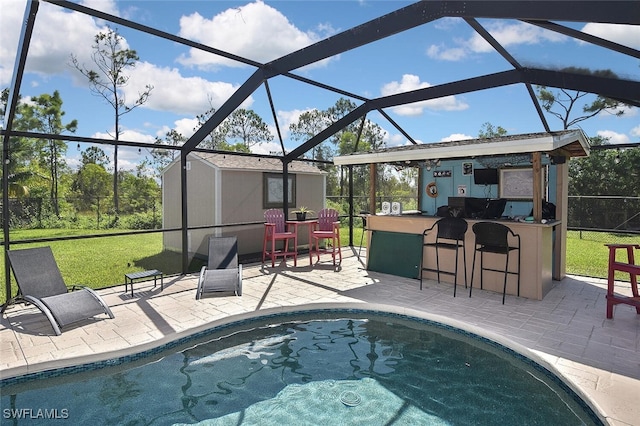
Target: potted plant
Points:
(301, 213)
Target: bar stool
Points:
(631, 268)
(327, 228)
(452, 230)
(275, 229)
(363, 216)
(493, 237)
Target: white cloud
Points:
(411, 82)
(613, 137)
(635, 131)
(51, 46)
(446, 54)
(504, 33)
(456, 137)
(186, 127)
(128, 157)
(628, 35)
(106, 6)
(267, 148)
(175, 93)
(255, 31)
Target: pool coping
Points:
(68, 366)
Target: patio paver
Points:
(567, 330)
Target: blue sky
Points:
(187, 83)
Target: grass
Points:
(588, 256)
(102, 262)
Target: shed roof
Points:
(240, 162)
(566, 143)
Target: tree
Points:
(139, 191)
(45, 113)
(163, 157)
(94, 155)
(605, 171)
(91, 184)
(487, 131)
(248, 128)
(109, 81)
(217, 139)
(562, 104)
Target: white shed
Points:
(227, 189)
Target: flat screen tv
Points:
(485, 176)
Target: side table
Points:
(132, 276)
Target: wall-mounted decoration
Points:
(467, 169)
(442, 173)
(462, 190)
(518, 183)
(272, 195)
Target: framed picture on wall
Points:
(518, 183)
(272, 195)
(467, 169)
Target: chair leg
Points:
(264, 246)
(464, 262)
(361, 240)
(273, 252)
(519, 271)
(481, 270)
(473, 271)
(455, 276)
(422, 264)
(295, 250)
(506, 273)
(438, 265)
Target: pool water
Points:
(311, 369)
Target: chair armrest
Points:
(426, 231)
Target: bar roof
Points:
(566, 143)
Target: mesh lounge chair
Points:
(223, 273)
(40, 283)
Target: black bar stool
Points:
(363, 215)
(452, 231)
(493, 237)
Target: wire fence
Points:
(590, 216)
(84, 213)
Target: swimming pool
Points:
(316, 367)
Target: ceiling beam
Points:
(561, 29)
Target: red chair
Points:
(327, 228)
(631, 268)
(276, 229)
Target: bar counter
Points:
(405, 233)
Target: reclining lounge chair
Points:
(223, 273)
(40, 283)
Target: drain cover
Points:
(350, 399)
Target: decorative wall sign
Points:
(462, 190)
(467, 169)
(442, 173)
(518, 183)
(272, 195)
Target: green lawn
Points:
(587, 254)
(102, 262)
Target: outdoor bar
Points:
(519, 181)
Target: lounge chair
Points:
(40, 283)
(223, 273)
